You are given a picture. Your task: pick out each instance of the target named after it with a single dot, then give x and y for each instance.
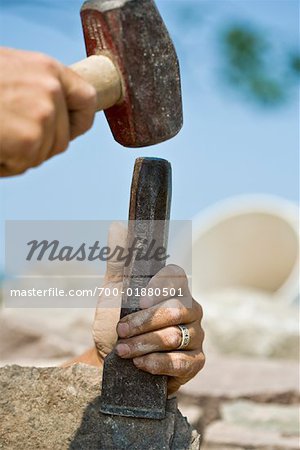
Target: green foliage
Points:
(244, 49)
(246, 59)
(295, 64)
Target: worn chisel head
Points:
(126, 390)
(133, 34)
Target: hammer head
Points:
(132, 33)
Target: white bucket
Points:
(248, 242)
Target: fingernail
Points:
(123, 329)
(123, 350)
(138, 362)
(146, 302)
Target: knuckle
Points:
(53, 86)
(18, 170)
(45, 112)
(180, 365)
(175, 312)
(176, 276)
(138, 321)
(137, 329)
(87, 94)
(152, 365)
(91, 97)
(173, 339)
(50, 64)
(62, 144)
(199, 338)
(37, 57)
(30, 140)
(198, 310)
(176, 271)
(200, 362)
(37, 163)
(135, 347)
(87, 121)
(78, 128)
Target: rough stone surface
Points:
(128, 433)
(219, 447)
(265, 417)
(232, 397)
(56, 408)
(250, 323)
(43, 408)
(220, 434)
(35, 337)
(245, 404)
(193, 413)
(248, 425)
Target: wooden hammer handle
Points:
(100, 72)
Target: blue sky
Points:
(228, 146)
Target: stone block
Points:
(221, 434)
(265, 417)
(258, 379)
(58, 408)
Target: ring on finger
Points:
(185, 337)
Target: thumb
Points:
(117, 242)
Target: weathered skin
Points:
(133, 34)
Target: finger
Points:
(80, 122)
(184, 365)
(4, 170)
(36, 136)
(48, 126)
(10, 171)
(117, 239)
(111, 297)
(104, 328)
(24, 140)
(79, 93)
(171, 278)
(81, 101)
(169, 313)
(163, 340)
(174, 384)
(62, 127)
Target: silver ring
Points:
(185, 337)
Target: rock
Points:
(266, 417)
(31, 337)
(58, 408)
(250, 323)
(221, 434)
(43, 408)
(124, 433)
(219, 447)
(256, 379)
(193, 413)
(246, 424)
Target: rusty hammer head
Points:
(132, 33)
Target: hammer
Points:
(133, 65)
